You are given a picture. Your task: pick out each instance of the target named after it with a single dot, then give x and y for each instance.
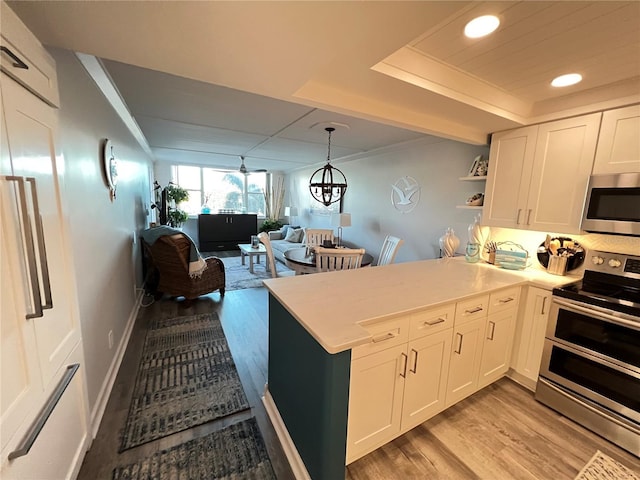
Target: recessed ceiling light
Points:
(481, 26)
(566, 80)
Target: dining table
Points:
(302, 261)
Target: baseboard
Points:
(295, 461)
(107, 385)
(526, 382)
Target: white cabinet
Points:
(24, 59)
(375, 400)
(395, 388)
(497, 346)
(538, 175)
(482, 342)
(529, 337)
(464, 365)
(40, 336)
(618, 148)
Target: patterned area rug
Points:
(238, 275)
(603, 467)
(186, 377)
(235, 452)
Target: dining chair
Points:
(330, 259)
(271, 261)
(316, 236)
(390, 247)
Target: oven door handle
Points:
(619, 318)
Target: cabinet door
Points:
(464, 365)
(375, 400)
(619, 142)
(426, 384)
(510, 164)
(563, 161)
(529, 341)
(31, 127)
(496, 350)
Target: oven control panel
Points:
(615, 263)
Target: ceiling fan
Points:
(244, 170)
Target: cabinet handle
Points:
(492, 326)
(518, 216)
(435, 322)
(544, 304)
(415, 361)
(458, 349)
(383, 337)
(403, 374)
(474, 310)
(529, 217)
(30, 248)
(43, 416)
(16, 61)
(44, 265)
(506, 300)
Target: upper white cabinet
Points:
(619, 143)
(538, 175)
(23, 58)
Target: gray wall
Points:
(436, 164)
(106, 261)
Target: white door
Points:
(375, 400)
(464, 366)
(619, 142)
(31, 127)
(496, 350)
(563, 161)
(510, 163)
(426, 385)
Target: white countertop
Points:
(333, 306)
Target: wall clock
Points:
(110, 166)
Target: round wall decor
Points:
(405, 194)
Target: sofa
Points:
(280, 244)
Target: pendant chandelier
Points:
(328, 184)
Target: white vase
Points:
(449, 243)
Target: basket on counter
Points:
(511, 256)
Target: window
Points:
(221, 190)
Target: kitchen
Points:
(85, 119)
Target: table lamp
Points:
(291, 212)
(340, 220)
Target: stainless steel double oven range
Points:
(590, 369)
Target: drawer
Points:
(504, 299)
(384, 334)
(476, 307)
(432, 320)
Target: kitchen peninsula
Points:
(405, 340)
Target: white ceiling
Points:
(263, 79)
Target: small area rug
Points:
(238, 276)
(603, 467)
(235, 452)
(186, 377)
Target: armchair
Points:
(169, 259)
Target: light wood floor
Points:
(498, 433)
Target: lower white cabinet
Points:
(417, 365)
(529, 337)
(464, 365)
(497, 345)
(394, 389)
(481, 350)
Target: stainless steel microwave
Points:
(613, 204)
